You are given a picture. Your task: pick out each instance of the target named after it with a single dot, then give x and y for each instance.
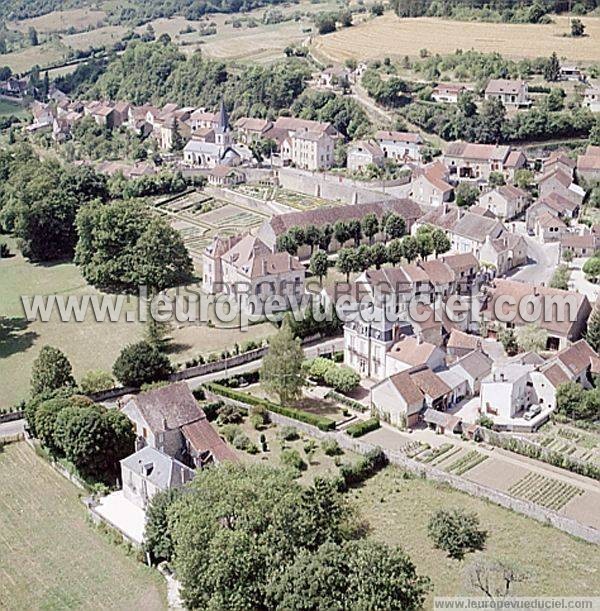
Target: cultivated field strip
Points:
(545, 491)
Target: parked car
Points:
(532, 412)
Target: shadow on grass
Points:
(14, 336)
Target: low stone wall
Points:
(12, 416)
(334, 187)
(531, 510)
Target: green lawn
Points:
(88, 344)
(398, 511)
(52, 557)
(8, 108)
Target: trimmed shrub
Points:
(321, 422)
(229, 414)
(288, 433)
(292, 459)
(362, 428)
(231, 431)
(332, 448)
(372, 462)
(212, 409)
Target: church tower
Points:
(222, 130)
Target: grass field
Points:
(52, 557)
(59, 21)
(8, 108)
(108, 35)
(44, 55)
(398, 511)
(391, 36)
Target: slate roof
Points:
(158, 468)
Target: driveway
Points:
(543, 259)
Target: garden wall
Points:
(531, 510)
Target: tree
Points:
(410, 248)
(592, 334)
(355, 229)
(466, 194)
(395, 252)
(424, 244)
(370, 226)
(326, 235)
(157, 538)
(325, 23)
(591, 269)
(141, 363)
(496, 579)
(177, 142)
(378, 255)
(569, 399)
(456, 532)
(395, 227)
(466, 104)
(567, 256)
(341, 232)
(594, 137)
(524, 179)
(346, 262)
(560, 278)
(577, 28)
(122, 247)
(362, 258)
(532, 338)
(441, 242)
(286, 243)
(312, 237)
(319, 264)
(51, 370)
(355, 575)
(508, 340)
(298, 235)
(281, 371)
(552, 68)
(95, 381)
(33, 37)
(496, 179)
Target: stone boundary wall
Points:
(332, 187)
(11, 416)
(527, 508)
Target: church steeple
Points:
(223, 120)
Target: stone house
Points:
(588, 165)
(430, 187)
(402, 398)
(561, 183)
(561, 333)
(245, 267)
(475, 162)
(362, 153)
(147, 472)
(506, 202)
(512, 93)
(548, 227)
(448, 93)
(591, 98)
(473, 367)
(400, 146)
(309, 149)
(250, 130)
(225, 176)
(581, 244)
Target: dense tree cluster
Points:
(141, 363)
(249, 537)
(157, 72)
(89, 436)
(490, 124)
(39, 201)
(122, 246)
(344, 113)
(390, 92)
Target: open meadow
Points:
(392, 36)
(60, 21)
(399, 509)
(9, 108)
(52, 557)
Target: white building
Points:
(509, 92)
(400, 146)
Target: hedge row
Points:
(372, 462)
(362, 428)
(347, 401)
(322, 423)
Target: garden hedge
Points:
(321, 422)
(362, 428)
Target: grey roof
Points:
(173, 406)
(158, 468)
(476, 364)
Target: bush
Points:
(288, 433)
(321, 422)
(372, 462)
(292, 459)
(95, 381)
(342, 378)
(259, 416)
(211, 409)
(457, 532)
(242, 442)
(332, 448)
(4, 250)
(141, 363)
(362, 428)
(229, 414)
(231, 431)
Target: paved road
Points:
(543, 261)
(12, 428)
